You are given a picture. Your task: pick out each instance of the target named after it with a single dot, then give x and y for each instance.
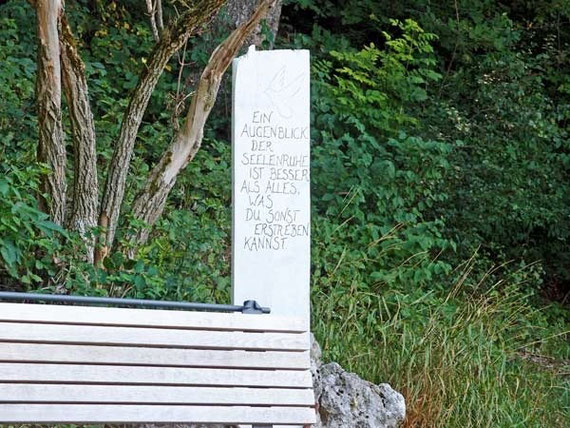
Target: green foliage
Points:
(379, 86)
(496, 94)
(509, 188)
(191, 245)
(28, 239)
(17, 56)
(375, 188)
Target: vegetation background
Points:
(440, 191)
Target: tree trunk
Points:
(148, 206)
(51, 147)
(172, 39)
(239, 11)
(85, 188)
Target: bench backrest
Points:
(64, 364)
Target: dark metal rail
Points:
(248, 307)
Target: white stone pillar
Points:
(271, 180)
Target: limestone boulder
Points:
(345, 400)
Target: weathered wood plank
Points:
(57, 353)
(140, 394)
(135, 336)
(74, 373)
(148, 318)
(73, 413)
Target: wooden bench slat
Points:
(73, 373)
(64, 364)
(140, 394)
(56, 353)
(78, 413)
(135, 336)
(149, 318)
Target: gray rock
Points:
(346, 400)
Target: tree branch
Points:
(149, 205)
(51, 147)
(172, 39)
(159, 21)
(85, 188)
(152, 16)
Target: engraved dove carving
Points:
(282, 92)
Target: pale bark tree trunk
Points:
(239, 11)
(171, 40)
(51, 147)
(148, 206)
(84, 209)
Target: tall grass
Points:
(457, 356)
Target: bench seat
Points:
(71, 364)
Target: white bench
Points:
(71, 364)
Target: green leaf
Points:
(9, 252)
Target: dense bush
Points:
(374, 187)
(27, 238)
(499, 101)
